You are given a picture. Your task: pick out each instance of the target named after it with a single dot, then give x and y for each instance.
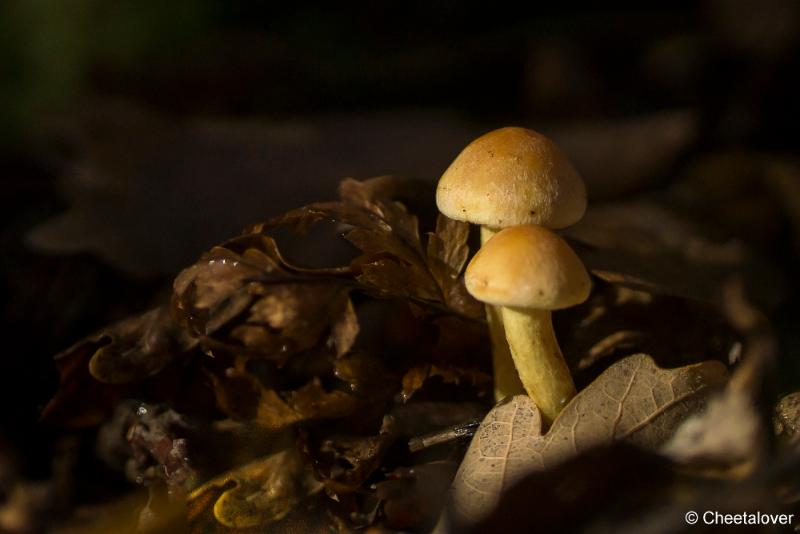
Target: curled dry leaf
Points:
(246, 303)
(97, 372)
(135, 348)
(139, 347)
(633, 400)
(259, 493)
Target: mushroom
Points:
(529, 271)
(508, 177)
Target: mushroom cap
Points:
(527, 266)
(512, 176)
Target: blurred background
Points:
(135, 134)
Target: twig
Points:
(459, 431)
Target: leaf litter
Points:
(346, 395)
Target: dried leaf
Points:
(447, 255)
(139, 347)
(242, 397)
(130, 350)
(259, 493)
(309, 402)
(447, 248)
(393, 261)
(246, 304)
(244, 297)
(386, 278)
(633, 400)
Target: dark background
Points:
(134, 134)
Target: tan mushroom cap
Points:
(512, 176)
(528, 267)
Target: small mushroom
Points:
(508, 177)
(529, 271)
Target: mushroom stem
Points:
(487, 233)
(538, 359)
(506, 379)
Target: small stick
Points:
(459, 431)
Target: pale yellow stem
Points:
(538, 359)
(506, 379)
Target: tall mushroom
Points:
(508, 177)
(529, 271)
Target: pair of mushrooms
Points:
(516, 184)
